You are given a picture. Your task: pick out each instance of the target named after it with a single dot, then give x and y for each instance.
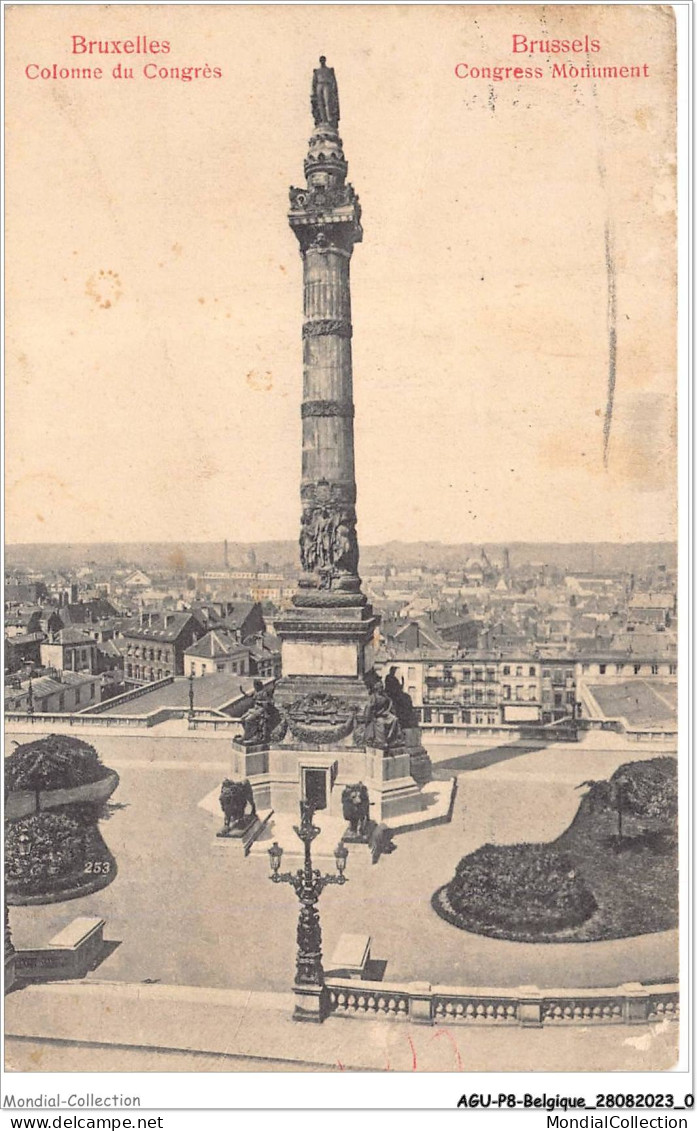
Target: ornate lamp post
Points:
(308, 882)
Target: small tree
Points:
(608, 795)
(55, 762)
(640, 789)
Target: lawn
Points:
(595, 881)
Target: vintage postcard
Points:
(341, 564)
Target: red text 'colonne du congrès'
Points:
(140, 45)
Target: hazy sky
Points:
(154, 287)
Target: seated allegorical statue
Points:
(401, 701)
(257, 721)
(382, 729)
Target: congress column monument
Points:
(331, 629)
(330, 723)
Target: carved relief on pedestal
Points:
(320, 718)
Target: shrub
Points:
(650, 789)
(42, 850)
(521, 887)
(645, 790)
(55, 762)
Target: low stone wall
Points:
(23, 802)
(475, 731)
(221, 722)
(44, 721)
(422, 1003)
(152, 719)
(127, 696)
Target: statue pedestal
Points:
(281, 775)
(352, 839)
(242, 837)
(369, 848)
(328, 641)
(420, 766)
(392, 789)
(326, 648)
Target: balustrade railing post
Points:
(530, 1007)
(635, 1007)
(420, 1003)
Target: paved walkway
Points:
(159, 1020)
(187, 910)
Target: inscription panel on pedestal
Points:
(319, 659)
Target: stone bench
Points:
(351, 956)
(69, 954)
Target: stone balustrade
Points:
(127, 696)
(40, 720)
(422, 1003)
(210, 722)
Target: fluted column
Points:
(327, 408)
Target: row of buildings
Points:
(65, 655)
(494, 689)
(481, 645)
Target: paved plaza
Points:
(185, 910)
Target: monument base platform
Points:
(280, 776)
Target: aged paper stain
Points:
(105, 288)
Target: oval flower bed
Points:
(56, 790)
(515, 891)
(612, 874)
(57, 855)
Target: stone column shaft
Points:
(327, 372)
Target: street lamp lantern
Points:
(311, 998)
(275, 855)
(341, 856)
